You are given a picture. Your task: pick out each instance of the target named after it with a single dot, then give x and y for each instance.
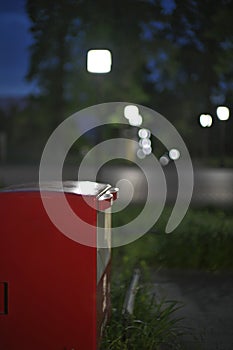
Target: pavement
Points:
(212, 186)
(207, 311)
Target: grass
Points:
(204, 240)
(154, 325)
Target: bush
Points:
(204, 240)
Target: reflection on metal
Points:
(103, 254)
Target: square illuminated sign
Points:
(99, 61)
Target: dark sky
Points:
(14, 41)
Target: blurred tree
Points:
(174, 56)
(53, 24)
(191, 46)
(190, 62)
(64, 31)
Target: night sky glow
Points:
(15, 39)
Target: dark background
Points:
(172, 56)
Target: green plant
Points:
(204, 240)
(154, 325)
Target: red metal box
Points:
(54, 291)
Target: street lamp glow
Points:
(205, 120)
(136, 120)
(223, 113)
(145, 143)
(174, 154)
(147, 150)
(144, 133)
(131, 113)
(164, 160)
(99, 61)
(140, 154)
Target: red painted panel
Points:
(52, 293)
(2, 298)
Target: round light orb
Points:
(205, 120)
(144, 133)
(140, 154)
(174, 154)
(147, 150)
(164, 160)
(145, 143)
(135, 120)
(131, 111)
(223, 113)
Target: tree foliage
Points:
(63, 32)
(173, 55)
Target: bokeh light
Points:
(223, 113)
(205, 120)
(174, 154)
(99, 61)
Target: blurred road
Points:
(212, 186)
